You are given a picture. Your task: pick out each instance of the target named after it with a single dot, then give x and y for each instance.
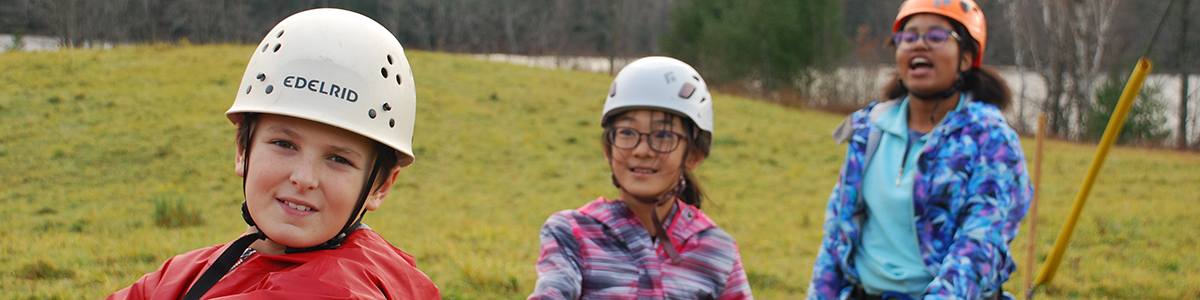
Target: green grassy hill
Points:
(91, 140)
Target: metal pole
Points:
(1110, 137)
(1031, 252)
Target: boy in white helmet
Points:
(324, 117)
(653, 242)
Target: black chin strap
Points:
(937, 97)
(660, 230)
(226, 261)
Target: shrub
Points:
(43, 270)
(172, 211)
(1144, 123)
(18, 41)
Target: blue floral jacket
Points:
(971, 191)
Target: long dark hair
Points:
(984, 83)
(693, 193)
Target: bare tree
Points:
(208, 21)
(1089, 31)
(1068, 49)
(1182, 50)
(1020, 42)
(509, 13)
(64, 17)
(617, 28)
(1050, 61)
(14, 15)
(388, 14)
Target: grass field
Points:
(90, 141)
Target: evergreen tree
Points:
(1146, 118)
(774, 41)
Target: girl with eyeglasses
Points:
(934, 184)
(653, 242)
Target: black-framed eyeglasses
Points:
(934, 38)
(660, 140)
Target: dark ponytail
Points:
(693, 193)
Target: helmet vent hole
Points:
(696, 77)
(612, 89)
(248, 88)
(371, 113)
(389, 57)
(398, 81)
(384, 72)
(702, 99)
(387, 107)
(280, 34)
(270, 88)
(392, 123)
(277, 47)
(265, 47)
(261, 77)
(687, 90)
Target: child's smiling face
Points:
(305, 177)
(645, 173)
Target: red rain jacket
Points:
(364, 267)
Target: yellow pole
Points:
(1032, 216)
(1110, 136)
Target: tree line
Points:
(533, 27)
(1071, 45)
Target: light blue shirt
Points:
(888, 258)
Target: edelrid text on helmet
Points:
(335, 67)
(318, 86)
(965, 12)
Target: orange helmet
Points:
(965, 12)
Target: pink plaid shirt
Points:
(602, 251)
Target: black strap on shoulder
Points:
(231, 255)
(223, 264)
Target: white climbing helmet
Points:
(336, 67)
(664, 83)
